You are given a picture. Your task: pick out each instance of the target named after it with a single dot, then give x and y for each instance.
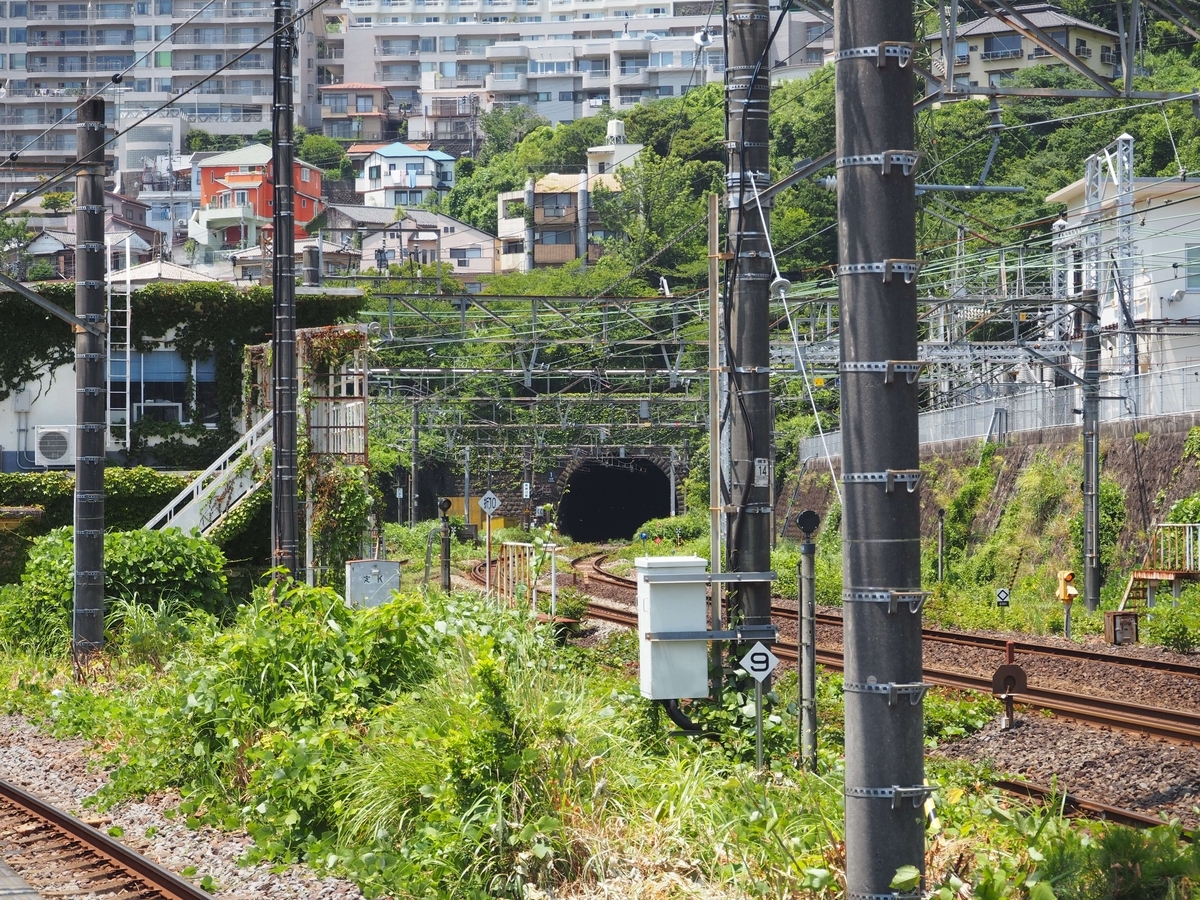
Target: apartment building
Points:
(55, 51)
(988, 51)
(449, 61)
(400, 175)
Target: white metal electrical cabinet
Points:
(370, 582)
(672, 669)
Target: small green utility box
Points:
(1120, 627)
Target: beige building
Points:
(988, 51)
(551, 221)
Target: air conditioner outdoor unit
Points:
(181, 223)
(54, 446)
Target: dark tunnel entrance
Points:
(609, 499)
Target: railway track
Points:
(1178, 726)
(61, 856)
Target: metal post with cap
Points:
(877, 272)
(807, 522)
(87, 632)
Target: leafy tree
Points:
(654, 212)
(326, 153)
(690, 127)
(610, 276)
(262, 136)
(57, 201)
(41, 270)
(503, 129)
(200, 140)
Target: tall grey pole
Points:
(87, 632)
(416, 452)
(466, 485)
(747, 93)
(1091, 450)
(885, 823)
(283, 362)
(807, 522)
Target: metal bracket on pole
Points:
(741, 634)
(911, 369)
(915, 691)
(909, 477)
(889, 267)
(38, 300)
(906, 160)
(917, 794)
(900, 50)
(892, 597)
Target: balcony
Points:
(553, 254)
(418, 180)
(554, 215)
(990, 55)
(200, 40)
(331, 53)
(594, 80)
(507, 81)
(251, 12)
(398, 76)
(633, 77)
(508, 51)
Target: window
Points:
(666, 90)
(447, 229)
(514, 247)
(542, 97)
(241, 198)
(415, 196)
(996, 79)
(3, 10)
(18, 35)
(18, 10)
(305, 174)
(814, 57)
(1193, 267)
(162, 59)
(962, 52)
(142, 33)
(662, 60)
(17, 61)
(817, 32)
(400, 197)
(549, 67)
(554, 237)
(1001, 46)
(373, 173)
(364, 104)
(568, 96)
(466, 253)
(337, 103)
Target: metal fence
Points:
(523, 569)
(1165, 393)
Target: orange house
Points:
(237, 198)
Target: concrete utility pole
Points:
(747, 93)
(1091, 449)
(885, 822)
(87, 632)
(284, 506)
(416, 452)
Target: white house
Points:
(420, 236)
(1150, 314)
(400, 175)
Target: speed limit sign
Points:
(759, 662)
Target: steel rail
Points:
(166, 884)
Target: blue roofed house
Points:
(400, 175)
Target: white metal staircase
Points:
(222, 486)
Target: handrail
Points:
(1175, 547)
(223, 463)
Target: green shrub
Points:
(1171, 627)
(145, 566)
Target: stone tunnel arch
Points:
(607, 497)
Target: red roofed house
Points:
(362, 112)
(237, 198)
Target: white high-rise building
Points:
(449, 61)
(55, 52)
